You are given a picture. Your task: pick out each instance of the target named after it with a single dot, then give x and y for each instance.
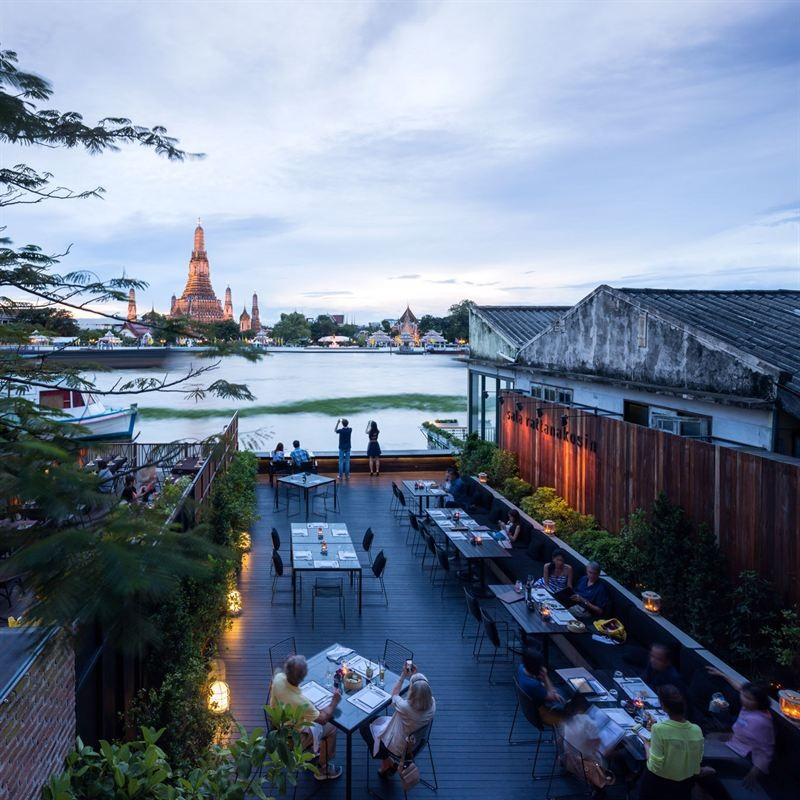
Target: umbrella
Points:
(334, 339)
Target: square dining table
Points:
(307, 555)
(354, 709)
(424, 490)
(306, 482)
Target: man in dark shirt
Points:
(591, 593)
(457, 489)
(660, 671)
(534, 681)
(129, 493)
(345, 433)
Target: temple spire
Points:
(199, 238)
(131, 306)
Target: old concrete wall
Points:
(484, 342)
(600, 337)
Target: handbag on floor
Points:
(407, 771)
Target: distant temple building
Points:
(198, 300)
(228, 311)
(131, 306)
(408, 324)
(255, 319)
(244, 321)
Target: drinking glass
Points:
(369, 672)
(328, 677)
(381, 672)
(613, 694)
(618, 675)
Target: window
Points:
(642, 332)
(552, 394)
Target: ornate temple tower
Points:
(198, 300)
(131, 306)
(244, 321)
(255, 320)
(228, 309)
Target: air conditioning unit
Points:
(680, 426)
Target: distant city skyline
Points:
(365, 155)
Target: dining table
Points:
(424, 490)
(340, 553)
(531, 621)
(356, 708)
(471, 540)
(306, 483)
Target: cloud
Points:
(579, 142)
(326, 294)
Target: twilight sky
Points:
(361, 155)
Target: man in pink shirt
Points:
(753, 737)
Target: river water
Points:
(299, 394)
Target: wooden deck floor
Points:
(469, 742)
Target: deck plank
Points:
(469, 742)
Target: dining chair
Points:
(328, 587)
(473, 609)
(444, 565)
(413, 528)
(401, 501)
(395, 655)
(279, 572)
(276, 545)
(377, 568)
(545, 732)
(366, 543)
(319, 501)
(421, 740)
(394, 502)
(279, 652)
(505, 643)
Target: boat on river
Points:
(86, 410)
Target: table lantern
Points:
(320, 533)
(651, 602)
(546, 612)
(234, 602)
(790, 703)
(323, 548)
(483, 477)
(549, 527)
(219, 693)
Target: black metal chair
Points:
(319, 501)
(491, 629)
(276, 545)
(394, 502)
(594, 778)
(279, 652)
(431, 545)
(473, 609)
(413, 526)
(328, 587)
(395, 655)
(531, 713)
(366, 543)
(422, 739)
(401, 500)
(444, 565)
(279, 572)
(378, 566)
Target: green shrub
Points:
(753, 615)
(502, 466)
(475, 456)
(514, 489)
(785, 637)
(544, 503)
(251, 765)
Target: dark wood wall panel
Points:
(610, 468)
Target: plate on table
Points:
(317, 694)
(339, 652)
(369, 698)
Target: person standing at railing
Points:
(373, 448)
(345, 436)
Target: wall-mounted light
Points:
(485, 394)
(502, 401)
(564, 419)
(540, 412)
(520, 406)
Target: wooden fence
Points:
(610, 468)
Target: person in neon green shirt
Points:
(674, 752)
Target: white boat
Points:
(83, 408)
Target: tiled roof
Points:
(519, 324)
(764, 324)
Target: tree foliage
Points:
(292, 329)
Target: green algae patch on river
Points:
(329, 406)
